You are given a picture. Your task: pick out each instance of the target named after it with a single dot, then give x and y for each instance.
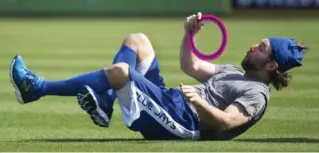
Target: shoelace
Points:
(31, 77)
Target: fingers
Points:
(199, 15)
(186, 88)
(188, 91)
(192, 99)
(189, 95)
(190, 19)
(195, 17)
(191, 22)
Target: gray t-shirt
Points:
(231, 85)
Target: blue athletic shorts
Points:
(158, 113)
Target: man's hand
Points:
(191, 94)
(191, 23)
(233, 116)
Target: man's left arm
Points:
(236, 114)
(233, 116)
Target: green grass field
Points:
(61, 48)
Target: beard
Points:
(248, 65)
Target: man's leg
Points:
(136, 51)
(155, 112)
(136, 48)
(29, 87)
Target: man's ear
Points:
(272, 66)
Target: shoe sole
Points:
(17, 90)
(95, 112)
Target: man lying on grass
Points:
(227, 102)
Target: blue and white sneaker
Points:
(25, 82)
(91, 103)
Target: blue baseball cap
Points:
(286, 53)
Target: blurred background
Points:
(151, 8)
(59, 39)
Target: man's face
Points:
(257, 57)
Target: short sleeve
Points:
(253, 102)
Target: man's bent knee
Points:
(117, 75)
(135, 39)
(139, 43)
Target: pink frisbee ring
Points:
(222, 47)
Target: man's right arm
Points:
(190, 64)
